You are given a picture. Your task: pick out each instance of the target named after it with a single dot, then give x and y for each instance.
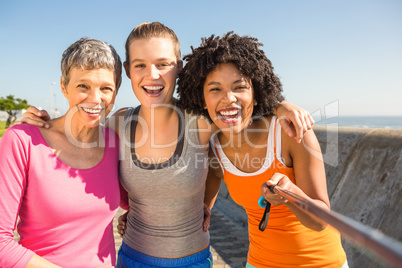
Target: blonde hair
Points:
(147, 30)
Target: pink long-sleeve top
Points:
(66, 214)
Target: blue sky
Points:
(333, 57)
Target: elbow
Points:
(315, 224)
(318, 226)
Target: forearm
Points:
(305, 218)
(12, 188)
(309, 177)
(39, 262)
(124, 204)
(214, 178)
(275, 112)
(211, 190)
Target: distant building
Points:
(54, 113)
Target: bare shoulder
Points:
(205, 131)
(115, 121)
(203, 123)
(308, 148)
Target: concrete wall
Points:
(364, 178)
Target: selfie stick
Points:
(381, 245)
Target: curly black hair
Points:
(251, 61)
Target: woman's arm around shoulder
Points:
(294, 119)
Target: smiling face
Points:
(153, 70)
(229, 98)
(92, 93)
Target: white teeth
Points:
(153, 87)
(231, 112)
(91, 111)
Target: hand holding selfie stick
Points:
(378, 243)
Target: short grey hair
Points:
(89, 54)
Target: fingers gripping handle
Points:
(265, 217)
(262, 202)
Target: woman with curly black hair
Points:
(230, 81)
(244, 52)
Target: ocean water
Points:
(388, 122)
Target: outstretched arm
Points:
(310, 181)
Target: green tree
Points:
(12, 105)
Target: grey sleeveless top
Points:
(166, 199)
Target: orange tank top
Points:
(285, 242)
